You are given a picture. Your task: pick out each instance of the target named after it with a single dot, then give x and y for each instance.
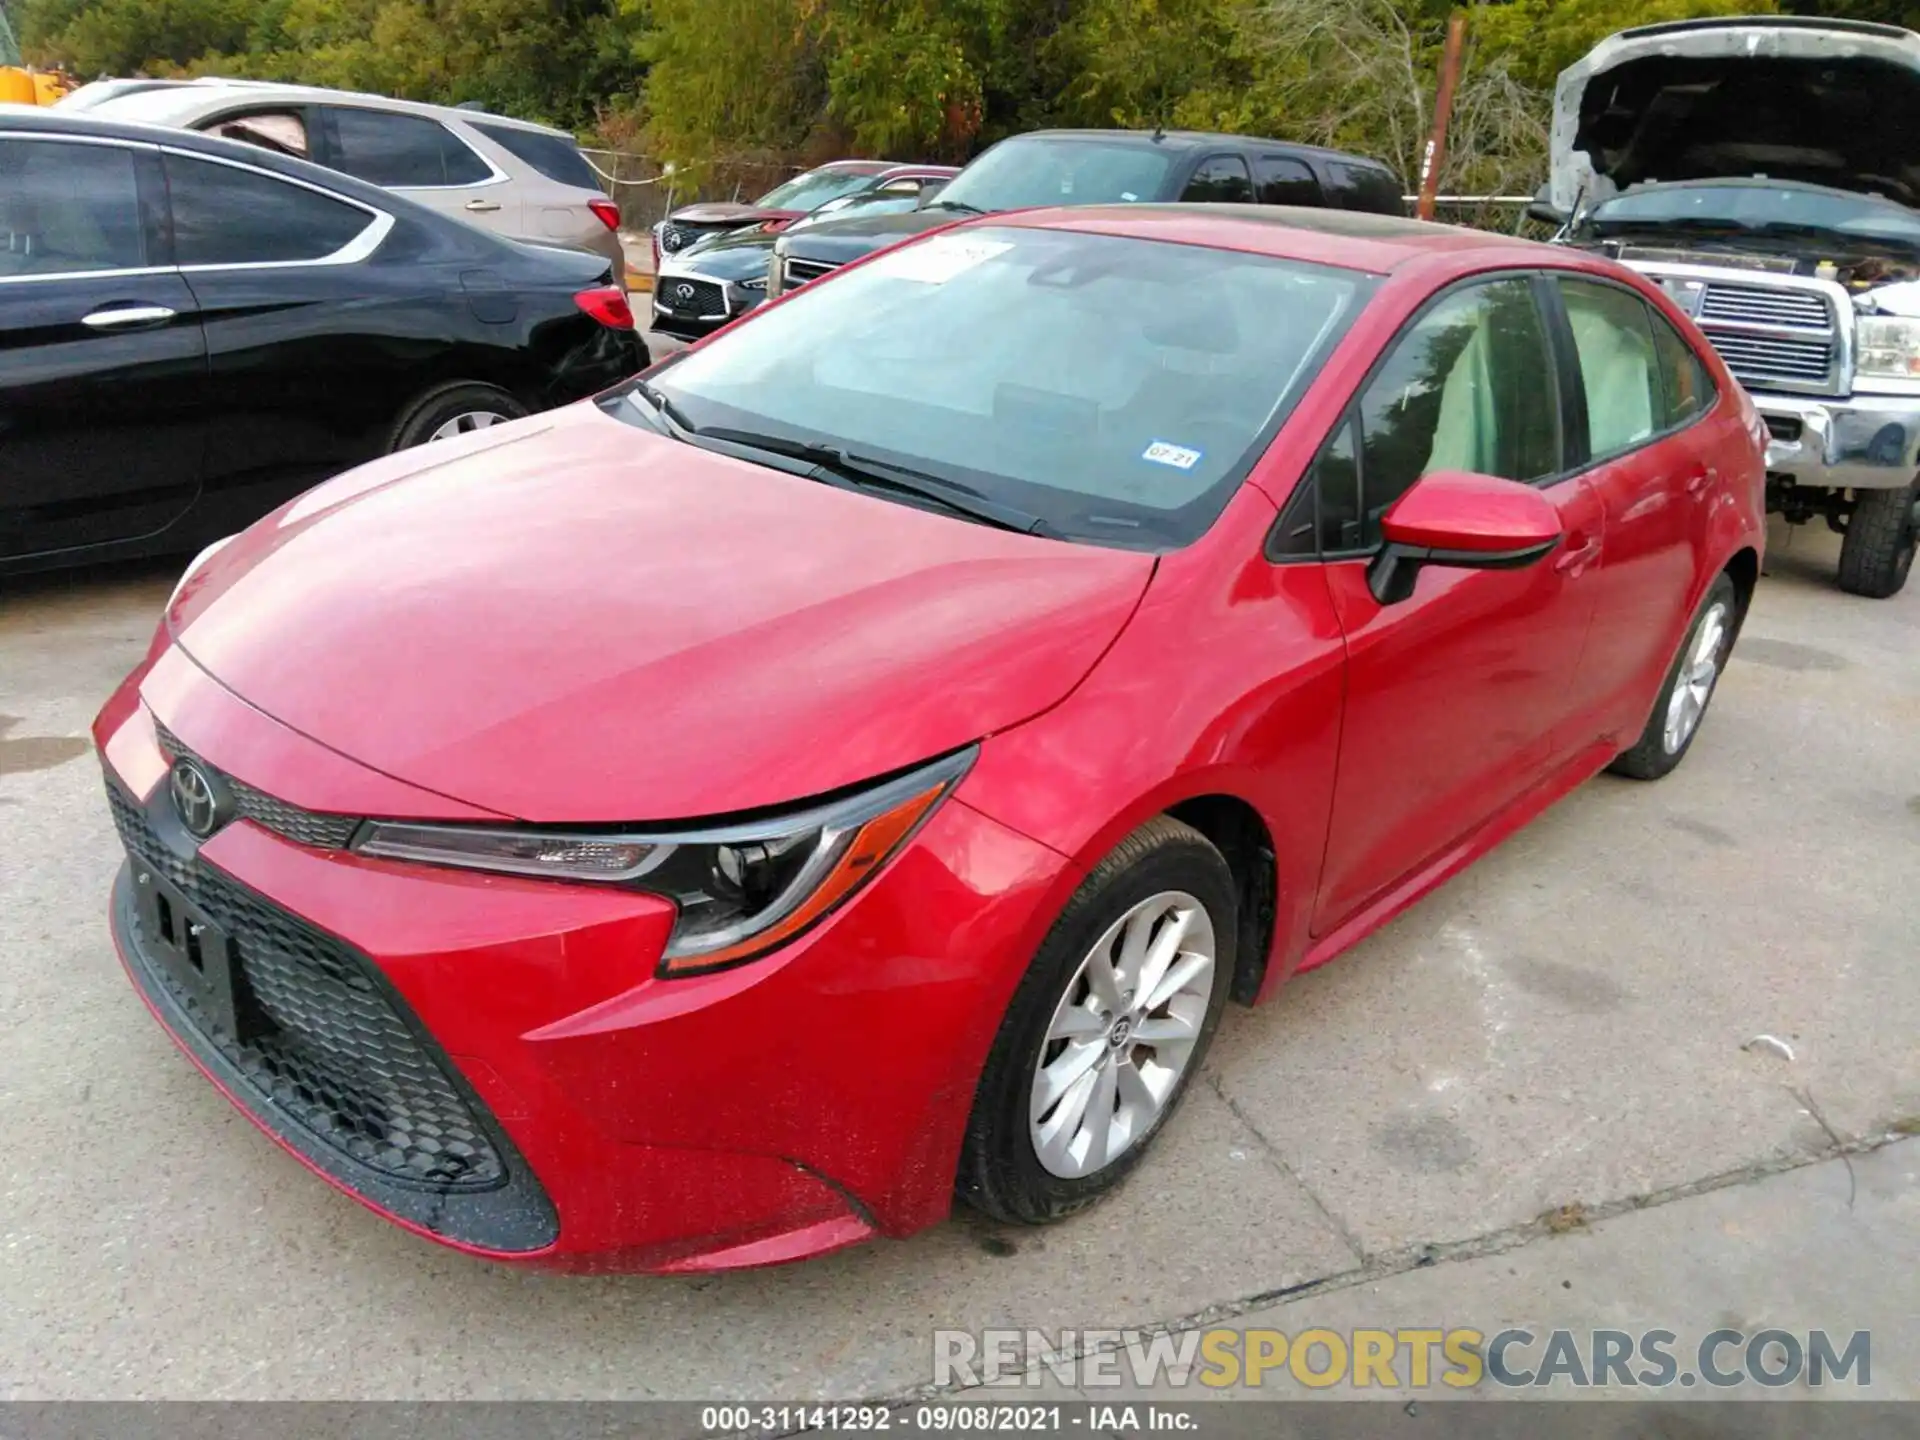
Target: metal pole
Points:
(1436, 153)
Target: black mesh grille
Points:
(303, 827)
(326, 1045)
(690, 297)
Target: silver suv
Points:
(518, 179)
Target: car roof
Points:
(1348, 239)
(1185, 140)
(174, 105)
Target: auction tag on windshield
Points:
(1160, 452)
(936, 261)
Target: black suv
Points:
(1105, 167)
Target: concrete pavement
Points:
(1561, 1026)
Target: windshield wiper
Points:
(865, 473)
(678, 426)
(960, 206)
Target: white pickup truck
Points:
(1766, 172)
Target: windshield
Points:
(1758, 208)
(1049, 170)
(1116, 388)
(814, 189)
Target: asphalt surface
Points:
(1562, 1026)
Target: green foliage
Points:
(1540, 38)
(722, 85)
(543, 59)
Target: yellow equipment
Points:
(22, 86)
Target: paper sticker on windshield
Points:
(1161, 452)
(936, 261)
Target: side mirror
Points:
(1465, 522)
(1542, 208)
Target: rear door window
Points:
(1619, 371)
(1223, 179)
(1363, 187)
(227, 215)
(68, 209)
(1284, 181)
(554, 156)
(400, 151)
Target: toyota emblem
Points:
(195, 799)
(683, 292)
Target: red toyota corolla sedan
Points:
(858, 762)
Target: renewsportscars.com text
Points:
(1457, 1357)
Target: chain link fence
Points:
(648, 192)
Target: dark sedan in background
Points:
(193, 331)
(803, 195)
(1105, 167)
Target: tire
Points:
(1877, 554)
(1666, 740)
(1153, 875)
(448, 406)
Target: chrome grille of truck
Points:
(1754, 304)
(1783, 335)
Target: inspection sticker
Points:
(936, 261)
(1161, 452)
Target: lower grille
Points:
(799, 272)
(326, 1043)
(1783, 427)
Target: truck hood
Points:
(1823, 102)
(572, 618)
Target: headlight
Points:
(199, 564)
(757, 282)
(1887, 347)
(741, 889)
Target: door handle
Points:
(482, 206)
(1700, 479)
(125, 317)
(1572, 562)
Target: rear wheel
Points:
(456, 409)
(1689, 689)
(1106, 1030)
(1882, 533)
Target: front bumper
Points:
(1868, 442)
(788, 1107)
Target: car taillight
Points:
(608, 305)
(606, 212)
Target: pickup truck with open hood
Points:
(1766, 172)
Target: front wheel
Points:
(1688, 690)
(1106, 1030)
(1882, 533)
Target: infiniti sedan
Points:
(858, 762)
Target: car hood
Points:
(837, 242)
(742, 255)
(1779, 97)
(572, 618)
(729, 212)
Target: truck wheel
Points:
(1877, 555)
(1689, 688)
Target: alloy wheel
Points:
(465, 422)
(1693, 686)
(1122, 1035)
